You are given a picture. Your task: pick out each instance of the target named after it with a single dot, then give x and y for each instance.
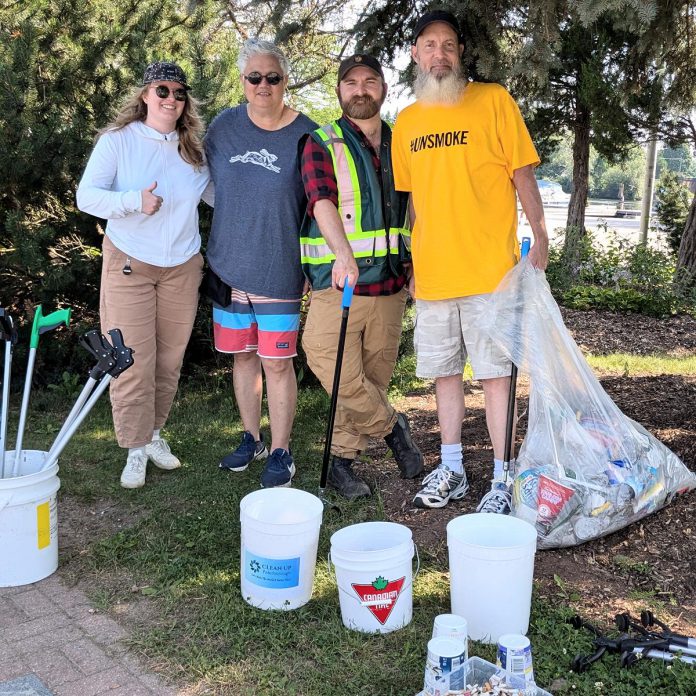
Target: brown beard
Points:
(360, 111)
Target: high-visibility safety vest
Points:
(374, 215)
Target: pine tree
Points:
(606, 72)
(672, 206)
(63, 68)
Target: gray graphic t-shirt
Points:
(259, 204)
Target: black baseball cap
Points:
(358, 60)
(165, 72)
(437, 16)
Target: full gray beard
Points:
(445, 90)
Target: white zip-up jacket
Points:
(122, 164)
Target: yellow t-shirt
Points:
(457, 161)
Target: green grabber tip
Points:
(42, 323)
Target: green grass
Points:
(181, 552)
(627, 364)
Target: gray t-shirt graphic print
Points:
(259, 204)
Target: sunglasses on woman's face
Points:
(256, 78)
(162, 91)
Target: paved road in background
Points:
(596, 217)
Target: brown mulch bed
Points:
(650, 564)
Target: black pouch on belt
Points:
(215, 288)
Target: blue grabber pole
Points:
(509, 426)
(347, 299)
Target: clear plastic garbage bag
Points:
(584, 469)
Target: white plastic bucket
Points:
(373, 562)
(28, 520)
(491, 562)
(280, 535)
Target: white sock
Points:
(498, 471)
(136, 450)
(155, 434)
(452, 457)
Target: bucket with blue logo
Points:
(280, 535)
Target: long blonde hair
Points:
(189, 127)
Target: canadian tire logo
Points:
(379, 596)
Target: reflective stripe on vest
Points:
(315, 250)
(349, 198)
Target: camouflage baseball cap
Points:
(165, 72)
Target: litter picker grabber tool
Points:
(42, 324)
(345, 304)
(8, 334)
(631, 648)
(675, 641)
(96, 345)
(510, 424)
(123, 360)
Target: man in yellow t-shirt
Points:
(463, 152)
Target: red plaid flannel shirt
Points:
(320, 183)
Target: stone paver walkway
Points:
(51, 631)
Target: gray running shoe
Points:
(439, 487)
(498, 500)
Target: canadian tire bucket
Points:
(373, 565)
(491, 563)
(280, 535)
(28, 521)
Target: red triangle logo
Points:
(380, 596)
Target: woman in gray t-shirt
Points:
(254, 253)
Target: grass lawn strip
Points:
(179, 558)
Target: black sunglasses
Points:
(256, 78)
(162, 91)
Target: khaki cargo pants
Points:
(154, 307)
(372, 346)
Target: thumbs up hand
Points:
(150, 202)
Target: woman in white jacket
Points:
(146, 176)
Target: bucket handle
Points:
(5, 503)
(373, 602)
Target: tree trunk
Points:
(685, 275)
(575, 225)
(581, 170)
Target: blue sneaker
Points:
(279, 469)
(248, 451)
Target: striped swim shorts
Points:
(254, 323)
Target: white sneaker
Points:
(160, 454)
(498, 500)
(133, 474)
(439, 487)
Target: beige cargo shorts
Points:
(447, 333)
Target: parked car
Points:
(552, 192)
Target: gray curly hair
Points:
(261, 47)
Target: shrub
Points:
(620, 276)
(672, 202)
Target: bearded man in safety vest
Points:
(355, 231)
